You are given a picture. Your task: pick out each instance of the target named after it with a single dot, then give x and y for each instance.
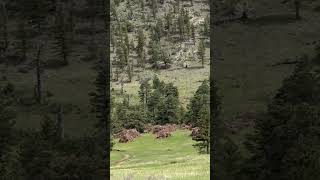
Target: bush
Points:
(129, 135)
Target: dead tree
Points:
(38, 73)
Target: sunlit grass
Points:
(172, 158)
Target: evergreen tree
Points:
(153, 102)
(193, 34)
(48, 129)
(38, 63)
(6, 118)
(141, 3)
(36, 11)
(130, 70)
(203, 122)
(61, 40)
(181, 24)
(4, 38)
(71, 18)
(201, 51)
(165, 58)
(168, 21)
(167, 110)
(155, 53)
(22, 36)
(158, 30)
(206, 26)
(156, 84)
(154, 7)
(144, 92)
(286, 142)
(10, 166)
(100, 99)
(297, 5)
(199, 101)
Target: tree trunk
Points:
(202, 62)
(297, 6)
(244, 15)
(4, 18)
(38, 74)
(60, 122)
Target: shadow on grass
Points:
(273, 19)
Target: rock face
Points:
(128, 135)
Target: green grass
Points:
(186, 80)
(173, 158)
(247, 82)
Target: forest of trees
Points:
(157, 36)
(160, 105)
(150, 34)
(285, 142)
(37, 35)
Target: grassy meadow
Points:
(172, 158)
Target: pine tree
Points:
(71, 18)
(153, 102)
(181, 24)
(144, 92)
(93, 50)
(94, 9)
(10, 166)
(201, 51)
(197, 103)
(6, 120)
(48, 129)
(99, 98)
(154, 7)
(141, 3)
(168, 21)
(154, 52)
(203, 121)
(285, 142)
(167, 110)
(193, 34)
(297, 5)
(60, 123)
(61, 41)
(38, 62)
(156, 84)
(165, 58)
(206, 26)
(22, 36)
(158, 30)
(130, 70)
(36, 12)
(4, 28)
